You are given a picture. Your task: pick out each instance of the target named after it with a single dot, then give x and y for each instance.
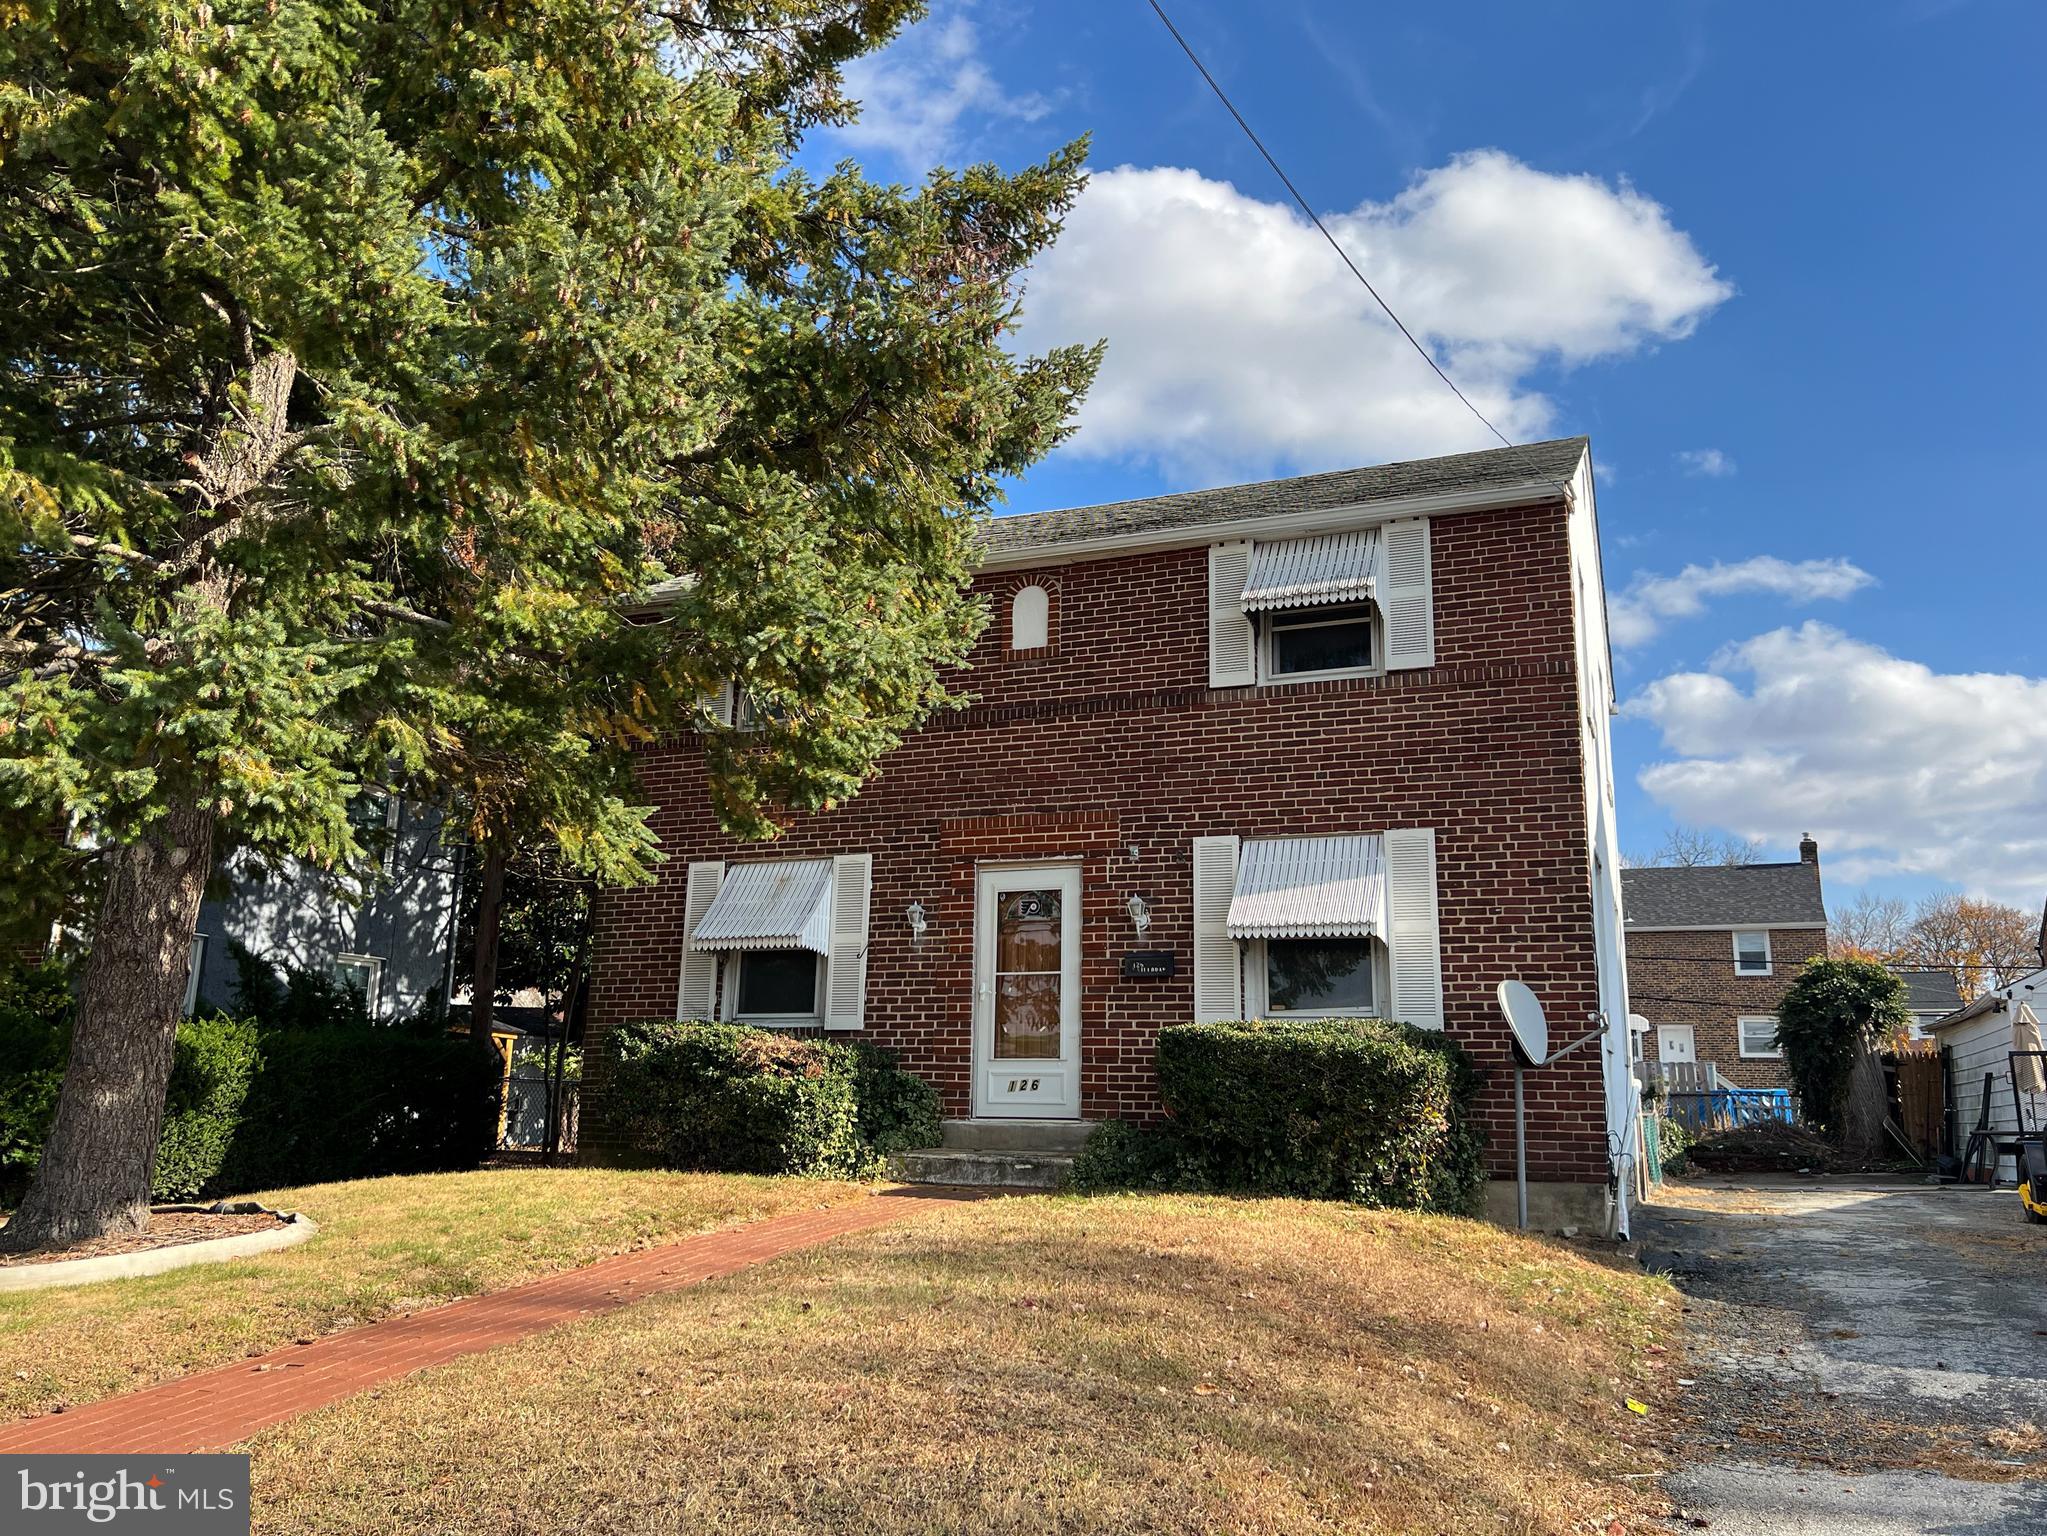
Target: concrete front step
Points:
(1016, 1135)
(984, 1170)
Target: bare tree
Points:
(1692, 847)
(1985, 943)
(1871, 927)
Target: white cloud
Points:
(1637, 614)
(1238, 342)
(920, 95)
(1710, 463)
(1895, 768)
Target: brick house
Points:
(1711, 952)
(1322, 745)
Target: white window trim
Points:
(1257, 998)
(1769, 959)
(729, 964)
(1775, 1053)
(374, 992)
(1270, 676)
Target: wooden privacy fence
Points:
(1921, 1099)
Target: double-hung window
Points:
(1758, 1038)
(1752, 953)
(1308, 642)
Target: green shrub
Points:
(214, 1062)
(1345, 1109)
(356, 1103)
(253, 1107)
(898, 1111)
(735, 1099)
(35, 1038)
(1836, 1011)
(1674, 1141)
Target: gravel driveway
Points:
(1865, 1357)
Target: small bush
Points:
(254, 1107)
(1674, 1140)
(898, 1110)
(1347, 1109)
(734, 1099)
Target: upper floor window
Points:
(1752, 953)
(1030, 619)
(1304, 642)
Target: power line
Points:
(1315, 219)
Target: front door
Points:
(1027, 993)
(1675, 1042)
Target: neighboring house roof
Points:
(1996, 1000)
(1931, 991)
(1459, 474)
(1723, 896)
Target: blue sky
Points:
(1781, 263)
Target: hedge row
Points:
(733, 1099)
(1345, 1109)
(257, 1107)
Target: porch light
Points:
(914, 915)
(1140, 914)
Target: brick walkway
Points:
(225, 1406)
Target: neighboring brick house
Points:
(1322, 745)
(1711, 950)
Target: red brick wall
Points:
(1688, 978)
(1109, 747)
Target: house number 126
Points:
(1023, 1085)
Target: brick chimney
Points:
(1808, 850)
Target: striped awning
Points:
(1310, 888)
(780, 905)
(1306, 573)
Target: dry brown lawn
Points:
(385, 1246)
(1112, 1365)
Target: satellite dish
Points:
(1524, 1017)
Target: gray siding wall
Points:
(297, 915)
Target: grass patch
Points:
(385, 1246)
(1147, 1363)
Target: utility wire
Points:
(1315, 219)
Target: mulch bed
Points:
(167, 1229)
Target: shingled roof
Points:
(1496, 469)
(1723, 896)
(1931, 991)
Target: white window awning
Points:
(1310, 888)
(1307, 573)
(785, 904)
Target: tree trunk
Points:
(1863, 1120)
(490, 905)
(100, 1157)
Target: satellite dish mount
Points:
(1531, 1049)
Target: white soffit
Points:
(1310, 888)
(1312, 572)
(781, 905)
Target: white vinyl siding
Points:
(1218, 968)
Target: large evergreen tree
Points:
(361, 359)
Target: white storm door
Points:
(1675, 1042)
(1027, 993)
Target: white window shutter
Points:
(1413, 933)
(694, 992)
(1232, 647)
(1218, 973)
(1407, 599)
(845, 1001)
(718, 704)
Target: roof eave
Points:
(1285, 525)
